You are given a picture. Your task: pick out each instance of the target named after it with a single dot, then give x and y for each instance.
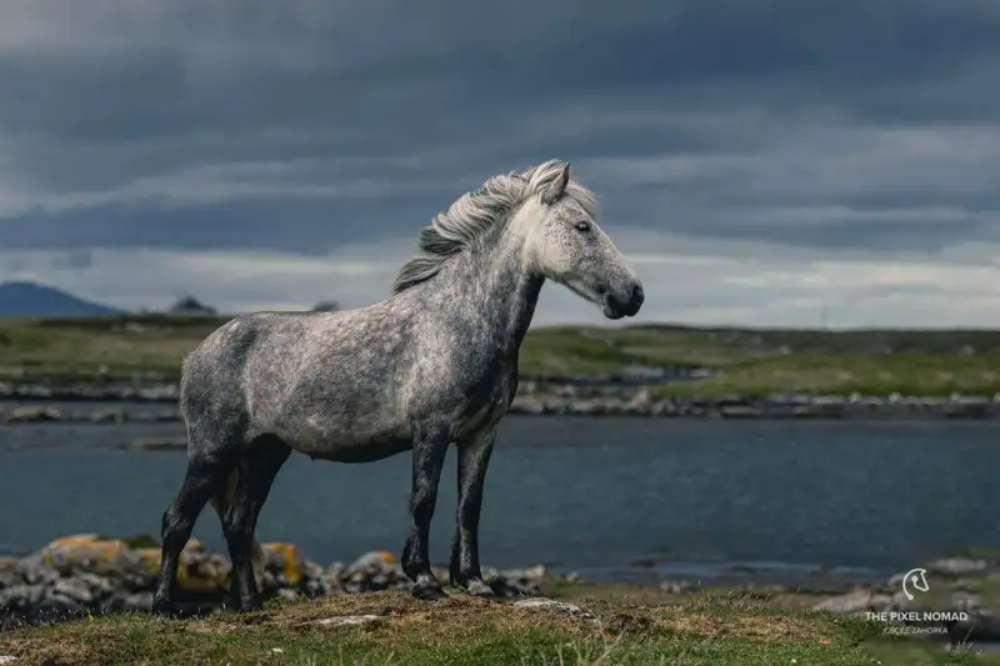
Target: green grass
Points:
(462, 631)
(907, 373)
(99, 349)
(754, 362)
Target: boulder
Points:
(285, 558)
(84, 552)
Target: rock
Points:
(642, 400)
(895, 581)
(21, 598)
(108, 416)
(374, 571)
(956, 566)
(346, 620)
(83, 551)
(531, 574)
(856, 602)
(201, 571)
(58, 607)
(285, 558)
(740, 412)
(517, 582)
(74, 589)
(335, 571)
(562, 608)
(35, 571)
(676, 587)
(32, 415)
(963, 601)
(527, 405)
(128, 601)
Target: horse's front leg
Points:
(473, 459)
(429, 449)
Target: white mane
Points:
(474, 213)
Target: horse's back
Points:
(333, 393)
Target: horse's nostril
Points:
(637, 294)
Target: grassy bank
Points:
(718, 631)
(756, 362)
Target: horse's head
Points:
(564, 243)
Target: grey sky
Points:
(764, 160)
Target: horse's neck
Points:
(497, 294)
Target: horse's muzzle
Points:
(625, 303)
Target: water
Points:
(613, 499)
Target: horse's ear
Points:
(558, 187)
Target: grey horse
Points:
(433, 364)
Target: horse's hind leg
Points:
(258, 468)
(206, 473)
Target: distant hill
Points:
(29, 299)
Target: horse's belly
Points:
(349, 447)
(362, 453)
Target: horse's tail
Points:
(221, 503)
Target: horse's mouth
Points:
(612, 313)
(616, 310)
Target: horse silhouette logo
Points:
(915, 579)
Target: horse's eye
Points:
(582, 225)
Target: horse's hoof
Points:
(478, 588)
(163, 607)
(431, 592)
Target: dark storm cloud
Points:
(303, 126)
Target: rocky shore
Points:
(85, 575)
(26, 404)
(90, 575)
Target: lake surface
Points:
(613, 499)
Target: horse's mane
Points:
(473, 214)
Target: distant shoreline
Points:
(30, 403)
